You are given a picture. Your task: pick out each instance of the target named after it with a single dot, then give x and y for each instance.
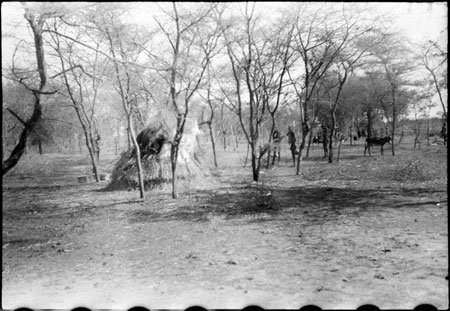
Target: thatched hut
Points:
(154, 144)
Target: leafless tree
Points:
(193, 39)
(82, 86)
(392, 58)
(210, 120)
(37, 23)
(314, 42)
(434, 60)
(243, 49)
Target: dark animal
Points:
(370, 142)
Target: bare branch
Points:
(17, 117)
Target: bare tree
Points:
(210, 120)
(193, 40)
(393, 59)
(273, 60)
(345, 63)
(419, 102)
(243, 50)
(82, 86)
(37, 23)
(434, 60)
(314, 42)
(123, 59)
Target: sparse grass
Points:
(382, 214)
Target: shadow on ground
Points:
(319, 203)
(325, 159)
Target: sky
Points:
(419, 21)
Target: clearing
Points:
(364, 230)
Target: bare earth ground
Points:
(365, 230)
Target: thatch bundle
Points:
(155, 157)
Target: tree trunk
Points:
(309, 144)
(394, 117)
(300, 149)
(416, 141)
(246, 156)
(16, 154)
(128, 138)
(256, 162)
(137, 156)
(270, 140)
(369, 123)
(30, 124)
(339, 150)
(224, 138)
(173, 160)
(213, 143)
(436, 83)
(40, 146)
(94, 165)
(351, 133)
(332, 130)
(401, 135)
(181, 119)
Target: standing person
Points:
(291, 141)
(276, 138)
(444, 132)
(97, 147)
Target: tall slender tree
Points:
(193, 40)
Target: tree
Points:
(209, 122)
(16, 101)
(356, 98)
(420, 103)
(244, 48)
(434, 60)
(316, 44)
(82, 87)
(354, 44)
(193, 39)
(36, 23)
(273, 62)
(317, 108)
(123, 58)
(393, 59)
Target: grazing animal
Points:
(376, 142)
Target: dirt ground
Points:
(364, 230)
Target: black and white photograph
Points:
(223, 155)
